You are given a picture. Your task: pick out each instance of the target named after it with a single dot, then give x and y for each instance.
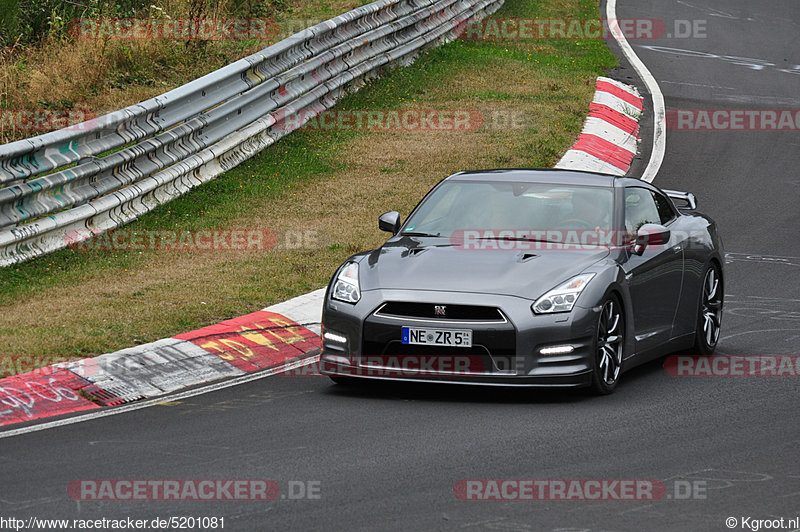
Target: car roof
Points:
(537, 175)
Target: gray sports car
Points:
(528, 277)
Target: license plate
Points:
(443, 337)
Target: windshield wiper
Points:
(518, 239)
(417, 233)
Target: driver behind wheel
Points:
(590, 207)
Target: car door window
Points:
(665, 210)
(640, 208)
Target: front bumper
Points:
(358, 343)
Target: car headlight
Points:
(562, 298)
(346, 286)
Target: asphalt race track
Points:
(388, 457)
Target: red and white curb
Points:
(608, 144)
(275, 337)
(609, 139)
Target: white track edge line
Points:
(659, 111)
(128, 407)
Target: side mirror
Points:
(389, 222)
(650, 235)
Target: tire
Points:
(709, 312)
(608, 346)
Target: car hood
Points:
(410, 263)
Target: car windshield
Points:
(456, 206)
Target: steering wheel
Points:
(582, 224)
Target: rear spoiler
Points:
(686, 197)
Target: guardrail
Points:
(65, 186)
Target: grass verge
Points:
(48, 68)
(328, 185)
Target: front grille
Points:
(427, 311)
